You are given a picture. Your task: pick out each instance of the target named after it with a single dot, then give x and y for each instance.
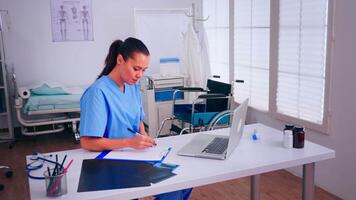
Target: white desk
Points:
(250, 158)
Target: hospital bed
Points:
(48, 112)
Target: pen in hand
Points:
(137, 134)
(134, 132)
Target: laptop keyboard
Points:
(217, 146)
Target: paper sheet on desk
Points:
(150, 154)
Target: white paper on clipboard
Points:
(152, 154)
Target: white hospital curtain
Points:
(301, 59)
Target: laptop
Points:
(218, 146)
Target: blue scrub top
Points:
(107, 111)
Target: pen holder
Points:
(56, 183)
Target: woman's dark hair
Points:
(126, 49)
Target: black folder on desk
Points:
(114, 174)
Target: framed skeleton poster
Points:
(71, 20)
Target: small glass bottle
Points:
(288, 136)
(298, 137)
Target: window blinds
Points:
(217, 30)
(301, 59)
(251, 47)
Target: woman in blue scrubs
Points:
(112, 105)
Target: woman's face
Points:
(133, 68)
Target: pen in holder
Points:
(56, 179)
(56, 182)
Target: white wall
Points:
(35, 57)
(338, 175)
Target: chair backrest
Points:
(218, 105)
(218, 87)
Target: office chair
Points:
(8, 174)
(197, 116)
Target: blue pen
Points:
(166, 154)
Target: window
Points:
(280, 50)
(302, 59)
(252, 27)
(217, 30)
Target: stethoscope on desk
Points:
(37, 161)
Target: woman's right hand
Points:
(141, 142)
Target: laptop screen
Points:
(237, 126)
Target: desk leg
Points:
(308, 181)
(255, 187)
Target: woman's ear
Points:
(120, 59)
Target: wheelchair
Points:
(206, 109)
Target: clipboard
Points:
(152, 154)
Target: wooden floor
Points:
(278, 185)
